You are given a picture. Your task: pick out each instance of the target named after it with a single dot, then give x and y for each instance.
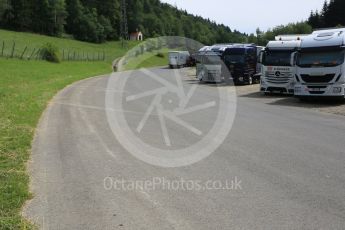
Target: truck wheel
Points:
(250, 80)
(257, 80)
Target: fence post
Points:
(13, 47)
(3, 47)
(38, 53)
(32, 54)
(21, 56)
(74, 56)
(103, 55)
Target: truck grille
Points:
(317, 79)
(282, 78)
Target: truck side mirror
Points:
(261, 57)
(293, 59)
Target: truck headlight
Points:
(337, 89)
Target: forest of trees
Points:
(262, 38)
(99, 20)
(331, 15)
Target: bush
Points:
(50, 53)
(161, 55)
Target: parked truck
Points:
(320, 68)
(208, 67)
(178, 59)
(242, 62)
(277, 72)
(220, 48)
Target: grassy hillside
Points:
(112, 50)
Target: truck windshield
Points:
(212, 60)
(234, 58)
(277, 58)
(320, 59)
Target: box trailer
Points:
(178, 59)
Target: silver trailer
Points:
(178, 59)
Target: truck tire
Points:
(250, 80)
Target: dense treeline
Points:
(99, 20)
(331, 15)
(263, 38)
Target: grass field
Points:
(112, 50)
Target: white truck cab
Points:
(320, 65)
(277, 71)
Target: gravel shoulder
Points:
(325, 106)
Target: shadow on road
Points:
(288, 100)
(317, 103)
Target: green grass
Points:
(112, 50)
(148, 59)
(25, 89)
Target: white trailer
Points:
(178, 59)
(277, 73)
(320, 68)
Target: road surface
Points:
(289, 164)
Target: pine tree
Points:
(42, 17)
(74, 13)
(17, 15)
(59, 16)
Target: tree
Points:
(74, 13)
(17, 15)
(59, 16)
(332, 14)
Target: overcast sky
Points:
(247, 15)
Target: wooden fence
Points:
(10, 50)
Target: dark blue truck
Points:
(242, 63)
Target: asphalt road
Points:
(288, 164)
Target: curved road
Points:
(287, 165)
